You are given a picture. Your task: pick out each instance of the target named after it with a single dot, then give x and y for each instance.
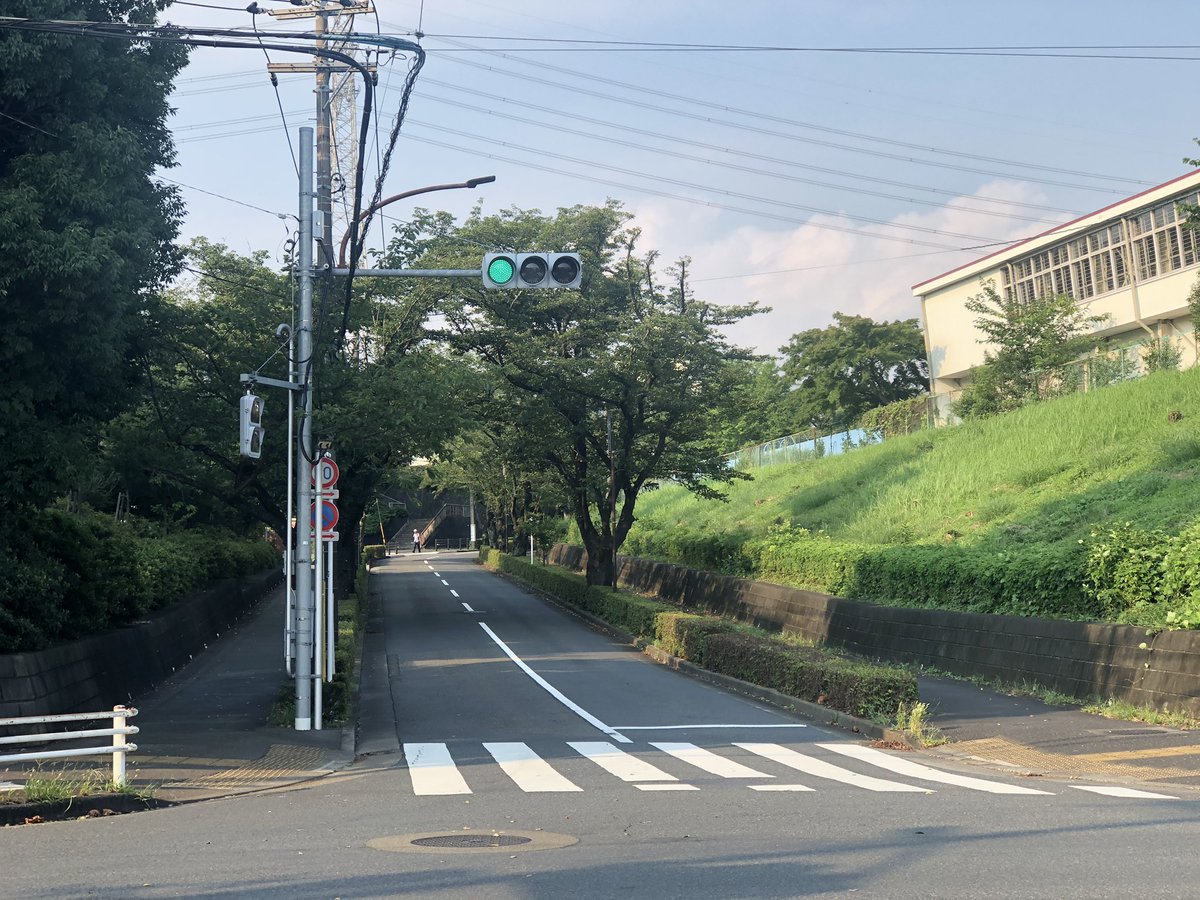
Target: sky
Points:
(829, 178)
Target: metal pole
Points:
(472, 497)
(324, 156)
(304, 357)
(289, 616)
(319, 623)
(119, 739)
(330, 619)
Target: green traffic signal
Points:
(500, 270)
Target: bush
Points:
(686, 634)
(373, 551)
(74, 575)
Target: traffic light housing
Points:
(531, 271)
(250, 426)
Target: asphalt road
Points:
(571, 766)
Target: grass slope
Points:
(1036, 481)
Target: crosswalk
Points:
(678, 766)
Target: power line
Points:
(190, 187)
(783, 134)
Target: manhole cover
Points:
(472, 840)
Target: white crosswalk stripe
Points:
(907, 767)
(433, 772)
(709, 761)
(624, 765)
(821, 769)
(530, 772)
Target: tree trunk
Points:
(600, 564)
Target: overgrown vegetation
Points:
(1010, 514)
(76, 574)
(841, 683)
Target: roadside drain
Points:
(472, 841)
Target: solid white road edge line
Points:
(555, 692)
(686, 727)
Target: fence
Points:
(119, 731)
(1100, 368)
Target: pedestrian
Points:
(416, 541)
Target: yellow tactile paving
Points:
(1001, 750)
(1148, 753)
(280, 761)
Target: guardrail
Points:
(120, 715)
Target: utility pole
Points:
(305, 599)
(324, 160)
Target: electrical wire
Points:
(592, 164)
(191, 187)
(275, 84)
(771, 132)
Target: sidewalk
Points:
(1056, 741)
(203, 733)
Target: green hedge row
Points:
(1035, 581)
(74, 575)
(852, 686)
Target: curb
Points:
(803, 708)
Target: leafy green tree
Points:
(758, 407)
(647, 358)
(85, 231)
(1031, 340)
(839, 372)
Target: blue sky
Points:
(811, 181)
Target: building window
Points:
(1096, 262)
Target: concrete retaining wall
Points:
(1077, 658)
(99, 672)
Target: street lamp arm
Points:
(469, 183)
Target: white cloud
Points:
(820, 271)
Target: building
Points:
(1132, 261)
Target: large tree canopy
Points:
(644, 358)
(856, 364)
(85, 232)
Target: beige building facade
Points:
(1132, 262)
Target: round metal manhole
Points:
(471, 841)
(475, 841)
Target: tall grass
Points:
(1043, 475)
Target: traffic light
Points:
(528, 271)
(251, 430)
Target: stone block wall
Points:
(1080, 659)
(102, 671)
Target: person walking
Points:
(416, 541)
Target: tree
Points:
(856, 364)
(176, 450)
(1031, 340)
(85, 232)
(649, 360)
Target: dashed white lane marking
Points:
(915, 770)
(467, 607)
(445, 582)
(624, 765)
(453, 592)
(1121, 792)
(709, 761)
(555, 692)
(433, 771)
(820, 769)
(438, 575)
(531, 773)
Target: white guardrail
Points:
(118, 732)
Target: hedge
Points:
(851, 686)
(74, 575)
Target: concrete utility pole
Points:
(305, 599)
